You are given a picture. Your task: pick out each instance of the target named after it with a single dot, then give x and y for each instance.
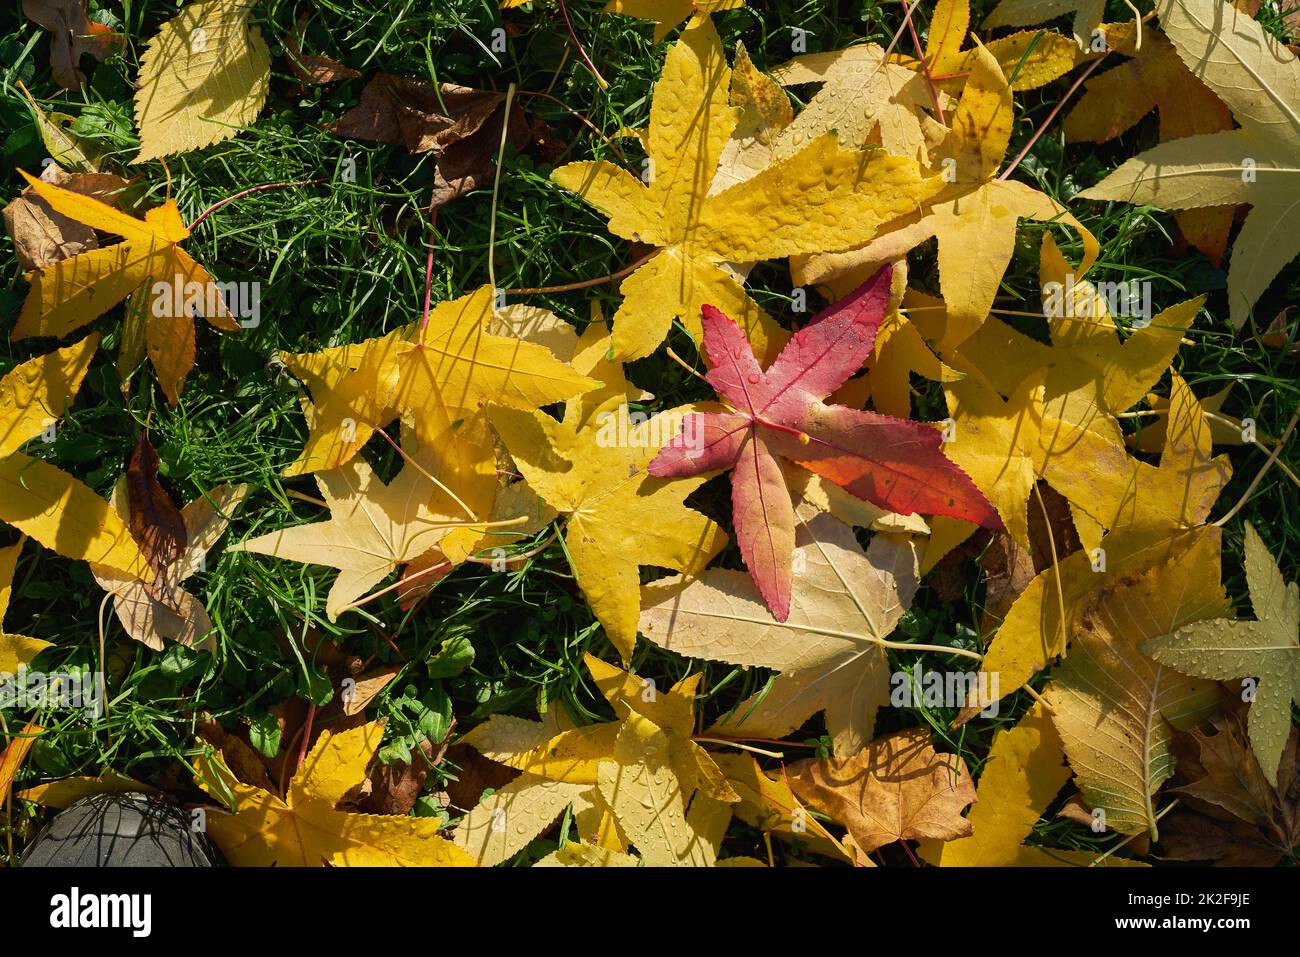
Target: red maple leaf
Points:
(893, 463)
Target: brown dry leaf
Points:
(43, 236)
(155, 522)
(162, 610)
(313, 69)
(897, 788)
(393, 788)
(459, 125)
(1277, 337)
(1231, 815)
(474, 774)
(74, 35)
(359, 695)
(244, 761)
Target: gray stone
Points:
(119, 830)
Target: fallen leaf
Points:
(977, 209)
(155, 522)
(1259, 80)
(461, 126)
(42, 236)
(667, 14)
(443, 375)
(47, 504)
(16, 651)
(64, 793)
(373, 526)
(1025, 769)
(312, 68)
(259, 829)
(205, 74)
(821, 198)
(637, 779)
(895, 789)
(72, 292)
(1231, 815)
(1029, 59)
(779, 414)
(1114, 707)
(161, 610)
(593, 467)
(1266, 649)
(1155, 78)
(1026, 13)
(829, 651)
(863, 97)
(13, 756)
(573, 854)
(72, 36)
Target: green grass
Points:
(340, 262)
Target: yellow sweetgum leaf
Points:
(1027, 13)
(1155, 78)
(38, 499)
(1266, 649)
(1023, 772)
(304, 829)
(821, 198)
(1259, 79)
(439, 378)
(638, 779)
(975, 211)
(149, 262)
(15, 650)
(1148, 513)
(375, 527)
(592, 467)
(204, 75)
(1029, 59)
(864, 98)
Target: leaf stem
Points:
(581, 51)
(248, 192)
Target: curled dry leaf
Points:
(897, 788)
(459, 125)
(176, 543)
(43, 236)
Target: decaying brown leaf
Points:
(1230, 814)
(459, 125)
(897, 788)
(43, 236)
(155, 521)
